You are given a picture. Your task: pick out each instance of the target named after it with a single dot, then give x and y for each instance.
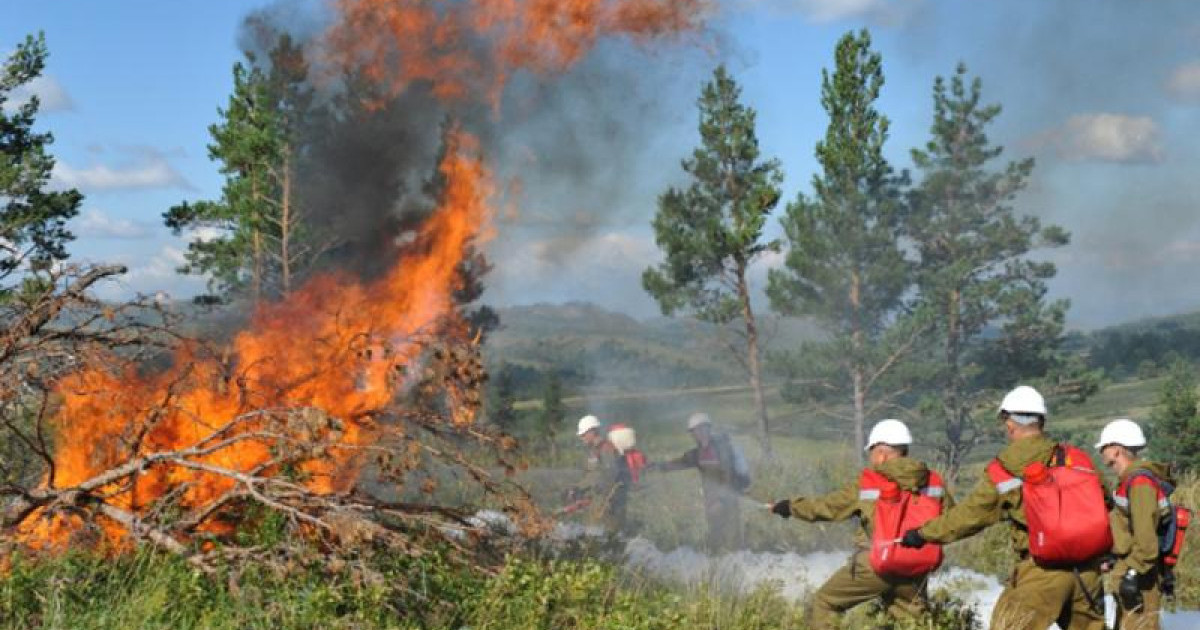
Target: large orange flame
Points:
(313, 350)
(337, 345)
(470, 49)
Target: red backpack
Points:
(897, 511)
(636, 461)
(1065, 513)
(1172, 529)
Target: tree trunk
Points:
(256, 282)
(285, 223)
(856, 368)
(256, 243)
(955, 418)
(760, 401)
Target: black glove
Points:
(782, 508)
(1129, 591)
(912, 538)
(1167, 585)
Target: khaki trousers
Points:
(856, 583)
(1036, 597)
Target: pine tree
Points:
(33, 221)
(712, 231)
(258, 242)
(1175, 423)
(553, 411)
(501, 404)
(974, 274)
(844, 266)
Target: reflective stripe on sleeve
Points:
(868, 495)
(1008, 485)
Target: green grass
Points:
(534, 590)
(151, 591)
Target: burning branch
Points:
(335, 411)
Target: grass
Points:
(534, 590)
(152, 591)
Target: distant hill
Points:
(596, 348)
(1142, 347)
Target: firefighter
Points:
(604, 491)
(723, 477)
(857, 582)
(1142, 502)
(1035, 595)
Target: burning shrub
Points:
(342, 382)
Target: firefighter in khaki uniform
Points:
(717, 459)
(1035, 596)
(1142, 504)
(857, 582)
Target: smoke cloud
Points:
(568, 148)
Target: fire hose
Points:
(574, 507)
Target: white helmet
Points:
(698, 419)
(587, 423)
(890, 432)
(1125, 432)
(1024, 401)
(623, 437)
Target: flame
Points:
(335, 345)
(471, 49)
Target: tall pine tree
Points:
(33, 220)
(844, 266)
(712, 231)
(1175, 423)
(974, 274)
(257, 242)
(553, 411)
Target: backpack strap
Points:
(1001, 478)
(1143, 477)
(1069, 456)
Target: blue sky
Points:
(1105, 94)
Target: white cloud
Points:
(159, 268)
(1184, 83)
(149, 169)
(1105, 137)
(93, 223)
(52, 95)
(882, 12)
(150, 272)
(205, 233)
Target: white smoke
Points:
(795, 575)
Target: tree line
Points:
(924, 282)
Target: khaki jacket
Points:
(986, 505)
(1135, 526)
